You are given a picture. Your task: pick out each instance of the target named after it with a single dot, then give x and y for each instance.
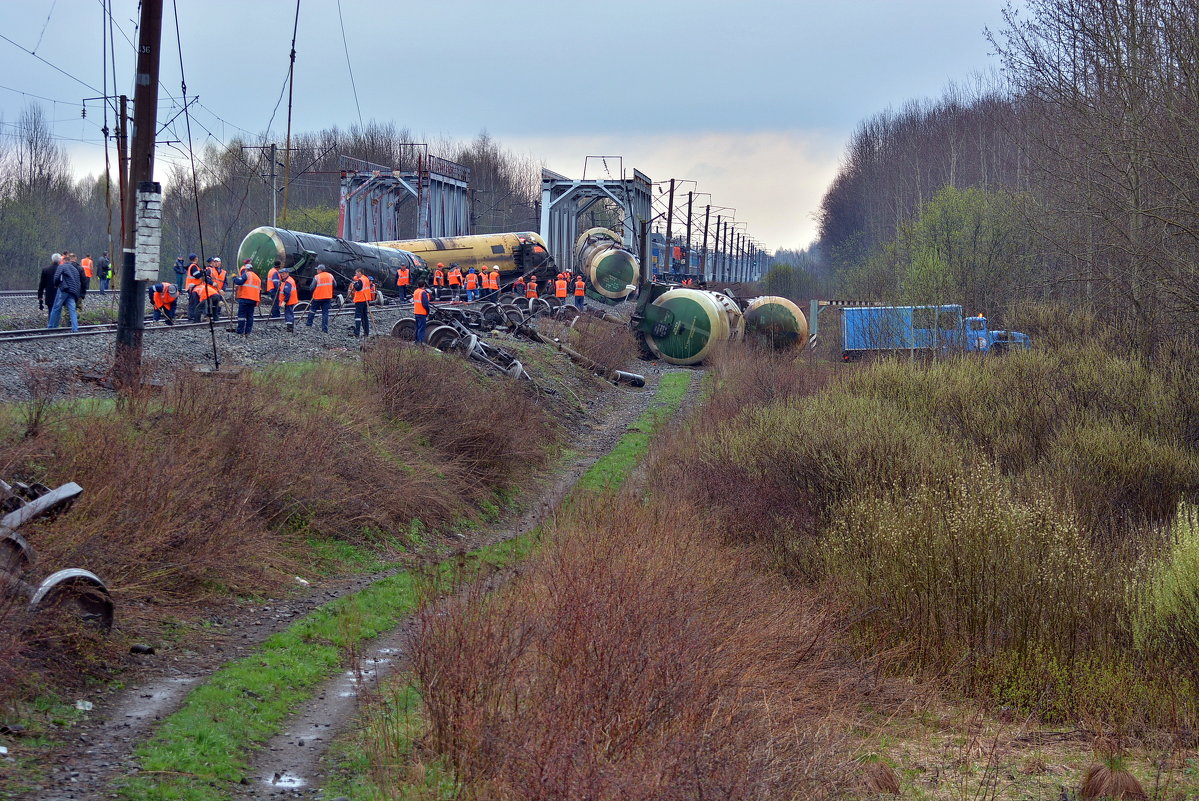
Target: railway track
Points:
(27, 334)
(41, 334)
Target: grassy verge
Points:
(611, 471)
(377, 759)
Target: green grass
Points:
(614, 468)
(376, 760)
(202, 750)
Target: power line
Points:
(349, 66)
(52, 65)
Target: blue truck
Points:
(927, 330)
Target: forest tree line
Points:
(1073, 180)
(44, 208)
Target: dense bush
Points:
(1003, 521)
(638, 658)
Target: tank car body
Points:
(301, 253)
(521, 253)
(611, 270)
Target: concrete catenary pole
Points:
(130, 322)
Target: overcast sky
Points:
(752, 100)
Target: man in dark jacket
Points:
(68, 281)
(180, 272)
(45, 285)
(104, 270)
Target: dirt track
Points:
(99, 749)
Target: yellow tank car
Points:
(516, 253)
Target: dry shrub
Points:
(495, 428)
(609, 344)
(1111, 780)
(881, 778)
(637, 658)
(194, 494)
(215, 487)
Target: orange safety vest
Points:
(560, 288)
(324, 287)
(531, 290)
(294, 297)
(493, 279)
(579, 288)
(420, 302)
(455, 277)
(218, 278)
(402, 276)
(161, 298)
(86, 264)
(365, 294)
(439, 278)
(205, 290)
(251, 289)
(472, 281)
(271, 275)
(191, 279)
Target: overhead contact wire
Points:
(216, 359)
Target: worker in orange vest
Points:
(455, 279)
(322, 296)
(363, 293)
(86, 266)
(518, 286)
(472, 285)
(493, 282)
(438, 279)
(273, 283)
(402, 282)
(163, 297)
(289, 296)
(422, 307)
(531, 287)
(206, 296)
(218, 275)
(249, 293)
(560, 288)
(195, 274)
(579, 287)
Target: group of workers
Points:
(204, 288)
(65, 282)
(484, 284)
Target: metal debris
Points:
(78, 591)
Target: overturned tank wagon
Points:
(610, 268)
(775, 322)
(301, 253)
(521, 253)
(681, 325)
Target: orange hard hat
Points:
(439, 264)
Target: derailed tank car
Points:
(611, 269)
(301, 253)
(521, 253)
(682, 326)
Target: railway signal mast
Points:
(143, 217)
